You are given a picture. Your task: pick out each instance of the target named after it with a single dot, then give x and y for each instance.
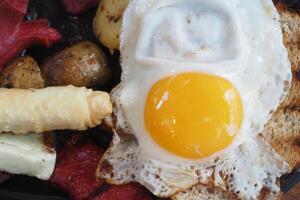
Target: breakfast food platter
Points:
(122, 159)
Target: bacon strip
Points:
(16, 35)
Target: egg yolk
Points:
(193, 115)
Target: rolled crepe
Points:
(53, 108)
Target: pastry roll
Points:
(52, 108)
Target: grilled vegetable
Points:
(23, 72)
(108, 22)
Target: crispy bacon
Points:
(79, 6)
(4, 176)
(131, 191)
(15, 35)
(75, 168)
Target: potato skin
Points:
(23, 72)
(83, 64)
(108, 22)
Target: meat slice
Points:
(75, 174)
(15, 34)
(75, 168)
(76, 7)
(132, 191)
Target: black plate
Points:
(26, 188)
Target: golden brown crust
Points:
(52, 108)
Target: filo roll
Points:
(52, 108)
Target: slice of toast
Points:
(201, 192)
(283, 129)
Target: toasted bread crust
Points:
(205, 193)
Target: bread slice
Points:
(201, 192)
(283, 129)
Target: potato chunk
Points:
(108, 22)
(23, 72)
(83, 64)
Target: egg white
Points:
(238, 40)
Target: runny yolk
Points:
(193, 115)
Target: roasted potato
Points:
(108, 22)
(83, 64)
(23, 73)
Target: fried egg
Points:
(200, 79)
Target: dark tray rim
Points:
(287, 183)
